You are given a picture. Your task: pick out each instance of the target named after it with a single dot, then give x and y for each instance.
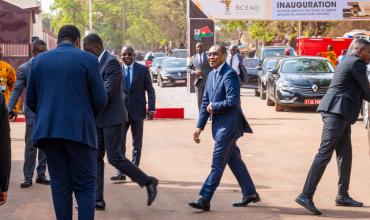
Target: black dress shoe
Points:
(247, 199)
(201, 203)
(118, 177)
(347, 201)
(308, 204)
(100, 205)
(42, 179)
(26, 183)
(152, 190)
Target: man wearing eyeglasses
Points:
(221, 103)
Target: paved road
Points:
(278, 156)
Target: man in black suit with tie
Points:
(137, 82)
(110, 123)
(199, 67)
(339, 109)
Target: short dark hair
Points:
(93, 39)
(38, 43)
(69, 33)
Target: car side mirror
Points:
(259, 67)
(158, 67)
(274, 71)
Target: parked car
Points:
(173, 72)
(267, 65)
(273, 51)
(156, 67)
(179, 53)
(298, 81)
(149, 57)
(250, 65)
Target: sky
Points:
(45, 5)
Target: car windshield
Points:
(250, 62)
(270, 64)
(277, 52)
(306, 65)
(159, 54)
(173, 63)
(179, 53)
(158, 61)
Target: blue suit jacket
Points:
(66, 92)
(114, 112)
(21, 83)
(135, 97)
(228, 121)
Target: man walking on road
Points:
(30, 152)
(66, 92)
(110, 124)
(137, 82)
(199, 67)
(221, 102)
(339, 109)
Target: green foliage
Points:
(143, 24)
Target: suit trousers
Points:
(199, 91)
(336, 135)
(227, 152)
(30, 153)
(110, 140)
(137, 130)
(72, 168)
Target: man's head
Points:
(38, 46)
(93, 44)
(199, 47)
(287, 52)
(70, 34)
(233, 49)
(127, 55)
(217, 55)
(361, 48)
(330, 47)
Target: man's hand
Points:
(209, 108)
(12, 116)
(3, 198)
(196, 135)
(198, 73)
(151, 115)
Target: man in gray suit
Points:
(38, 46)
(110, 124)
(199, 67)
(339, 109)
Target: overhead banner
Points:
(300, 10)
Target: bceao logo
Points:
(227, 4)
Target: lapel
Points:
(103, 63)
(134, 76)
(220, 78)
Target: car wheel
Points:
(365, 111)
(278, 107)
(269, 102)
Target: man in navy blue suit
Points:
(110, 124)
(221, 102)
(137, 83)
(66, 93)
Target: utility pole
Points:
(90, 16)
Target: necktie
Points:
(231, 61)
(127, 78)
(200, 59)
(215, 78)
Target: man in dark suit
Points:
(137, 82)
(66, 92)
(30, 152)
(339, 109)
(110, 124)
(5, 151)
(199, 67)
(221, 102)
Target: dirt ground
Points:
(278, 156)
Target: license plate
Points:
(180, 81)
(312, 101)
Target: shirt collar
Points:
(218, 69)
(131, 65)
(101, 56)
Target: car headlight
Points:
(165, 74)
(286, 87)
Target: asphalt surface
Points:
(278, 156)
